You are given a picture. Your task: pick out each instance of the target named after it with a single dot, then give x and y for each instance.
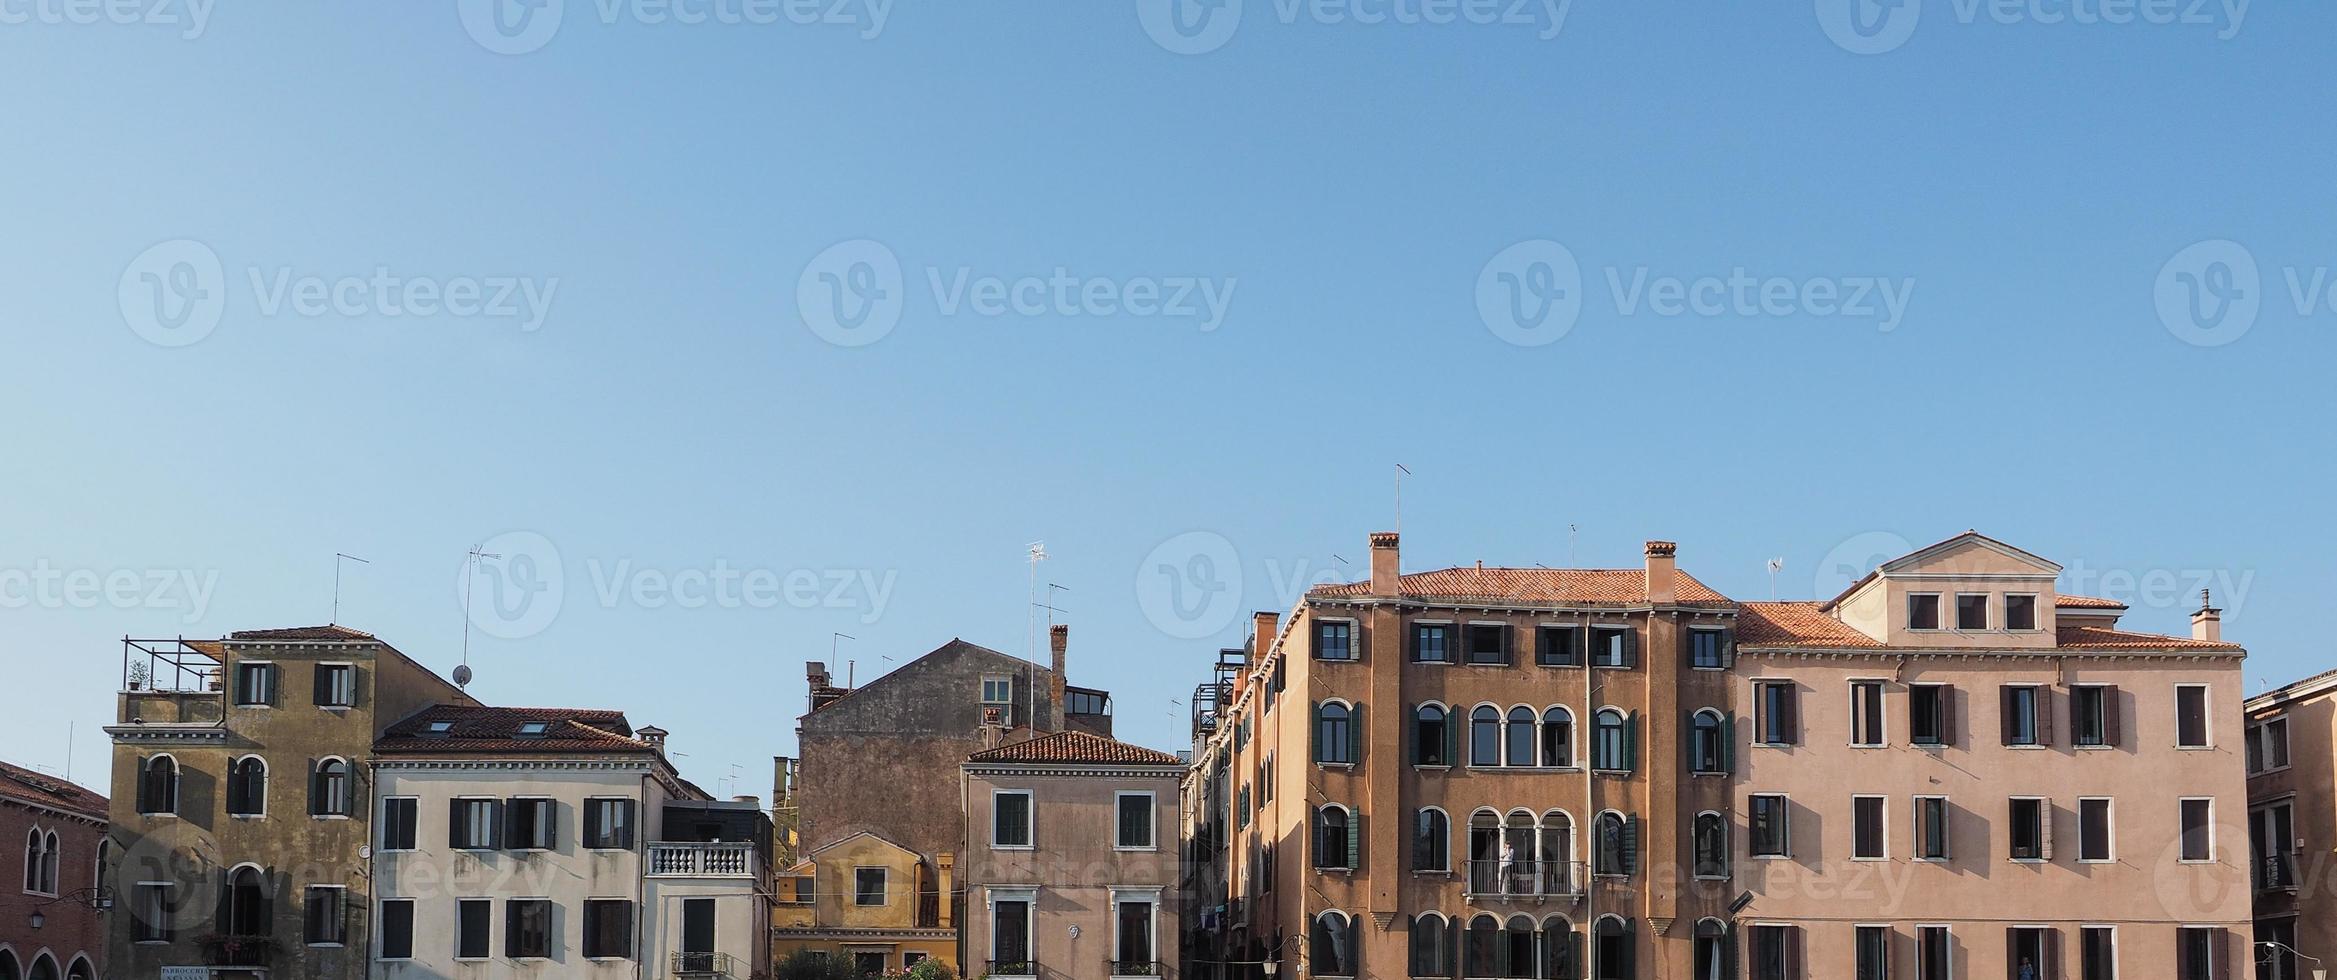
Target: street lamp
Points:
(2319, 972)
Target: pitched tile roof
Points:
(1622, 586)
(483, 729)
(2104, 638)
(1076, 747)
(303, 633)
(1795, 624)
(17, 782)
(2086, 602)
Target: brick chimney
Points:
(1263, 627)
(653, 735)
(1058, 643)
(2207, 623)
(1386, 570)
(1662, 571)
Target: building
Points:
(2289, 740)
(1620, 773)
(51, 911)
(521, 842)
(870, 900)
(1071, 860)
(240, 799)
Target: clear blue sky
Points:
(673, 410)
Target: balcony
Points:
(2276, 872)
(1525, 879)
(702, 860)
(1134, 968)
(1014, 968)
(706, 965)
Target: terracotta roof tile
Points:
(2103, 638)
(303, 633)
(2086, 602)
(1621, 586)
(17, 782)
(1076, 747)
(483, 729)
(1794, 624)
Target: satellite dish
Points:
(462, 676)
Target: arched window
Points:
(81, 970)
(34, 857)
(1715, 955)
(1333, 946)
(1610, 744)
(1558, 874)
(1558, 953)
(1557, 737)
(105, 856)
(1431, 946)
(1520, 859)
(247, 787)
(44, 967)
(1431, 840)
(247, 911)
(52, 853)
(1483, 951)
(1711, 838)
(1484, 853)
(1617, 844)
(1707, 742)
(1485, 736)
(1517, 943)
(1334, 736)
(158, 786)
(1611, 952)
(1521, 736)
(1428, 736)
(8, 968)
(328, 793)
(1334, 838)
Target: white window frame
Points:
(1314, 638)
(2259, 736)
(2215, 970)
(344, 909)
(1947, 932)
(1149, 895)
(1030, 922)
(2036, 612)
(2107, 708)
(2044, 829)
(885, 889)
(2213, 845)
(1784, 823)
(1030, 818)
(1908, 614)
(2082, 929)
(235, 684)
(267, 779)
(457, 931)
(549, 846)
(489, 846)
(1412, 642)
(1151, 819)
(352, 668)
(169, 910)
(1987, 613)
(1882, 822)
(413, 929)
(1915, 829)
(1882, 718)
(348, 789)
(2110, 827)
(989, 679)
(2206, 718)
(553, 940)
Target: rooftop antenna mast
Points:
(339, 558)
(1401, 471)
(1775, 565)
(1573, 531)
(1037, 552)
(462, 672)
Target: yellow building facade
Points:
(870, 901)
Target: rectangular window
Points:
(1767, 820)
(1488, 644)
(2198, 829)
(2029, 952)
(2198, 952)
(2093, 714)
(1707, 649)
(1778, 712)
(527, 928)
(1866, 714)
(471, 924)
(471, 824)
(1931, 828)
(1010, 939)
(2093, 829)
(397, 929)
(1610, 646)
(1010, 819)
(2191, 716)
(608, 824)
(1971, 610)
(1135, 823)
(2028, 829)
(328, 920)
(154, 910)
(1928, 713)
(1934, 958)
(1559, 646)
(868, 886)
(2268, 746)
(1431, 643)
(336, 685)
(2020, 715)
(533, 824)
(2020, 612)
(1923, 611)
(608, 928)
(1874, 953)
(1866, 829)
(255, 684)
(1132, 953)
(1776, 952)
(997, 689)
(2098, 953)
(400, 821)
(1334, 640)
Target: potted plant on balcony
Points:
(138, 673)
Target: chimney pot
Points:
(1662, 571)
(2207, 623)
(1386, 563)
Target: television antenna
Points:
(1775, 565)
(1036, 552)
(338, 559)
(462, 672)
(1401, 472)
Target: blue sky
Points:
(683, 398)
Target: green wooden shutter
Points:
(1452, 737)
(1728, 647)
(1631, 742)
(1314, 730)
(1631, 845)
(1411, 722)
(1630, 647)
(1355, 734)
(1728, 743)
(1355, 840)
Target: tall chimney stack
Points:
(1662, 571)
(1059, 643)
(1386, 569)
(2207, 623)
(1263, 627)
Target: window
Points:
(152, 911)
(1866, 714)
(1934, 953)
(2031, 952)
(1519, 738)
(1613, 646)
(2093, 829)
(1558, 646)
(997, 689)
(1766, 817)
(2098, 953)
(2198, 829)
(2199, 953)
(1431, 840)
(1708, 742)
(2029, 829)
(1430, 643)
(247, 787)
(1331, 946)
(255, 684)
(1611, 949)
(1707, 649)
(328, 789)
(1010, 819)
(1867, 839)
(1776, 952)
(1079, 702)
(2093, 715)
(1617, 841)
(1431, 953)
(397, 929)
(1135, 822)
(1611, 738)
(1711, 845)
(868, 964)
(608, 824)
(1334, 640)
(527, 928)
(533, 824)
(1010, 938)
(1132, 941)
(336, 685)
(247, 910)
(2020, 612)
(1485, 736)
(40, 861)
(2191, 716)
(1778, 712)
(1481, 954)
(1429, 735)
(1557, 737)
(400, 823)
(1931, 828)
(158, 786)
(2022, 713)
(471, 825)
(1874, 952)
(2272, 841)
(327, 914)
(1488, 644)
(1715, 955)
(868, 886)
(470, 928)
(1931, 714)
(2268, 746)
(1923, 611)
(1971, 610)
(1337, 739)
(1335, 839)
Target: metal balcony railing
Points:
(1134, 968)
(702, 860)
(2276, 872)
(1525, 879)
(706, 965)
(1014, 968)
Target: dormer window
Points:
(1923, 611)
(534, 729)
(1971, 610)
(441, 728)
(2020, 612)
